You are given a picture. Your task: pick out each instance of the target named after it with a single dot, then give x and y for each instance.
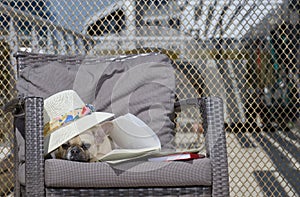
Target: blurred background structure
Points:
(245, 51)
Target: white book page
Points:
(132, 133)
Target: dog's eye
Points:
(65, 146)
(86, 146)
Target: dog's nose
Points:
(75, 150)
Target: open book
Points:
(135, 140)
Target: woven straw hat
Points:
(66, 116)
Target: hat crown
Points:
(60, 104)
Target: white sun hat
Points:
(66, 116)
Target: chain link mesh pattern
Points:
(246, 52)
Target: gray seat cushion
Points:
(60, 173)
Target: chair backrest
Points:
(143, 84)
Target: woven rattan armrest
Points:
(215, 140)
(32, 109)
(34, 147)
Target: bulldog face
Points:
(74, 150)
(88, 146)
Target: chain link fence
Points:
(245, 51)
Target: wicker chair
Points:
(161, 181)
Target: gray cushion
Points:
(141, 84)
(76, 174)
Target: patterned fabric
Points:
(67, 118)
(60, 173)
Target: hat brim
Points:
(67, 132)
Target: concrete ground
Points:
(264, 164)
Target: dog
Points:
(89, 146)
